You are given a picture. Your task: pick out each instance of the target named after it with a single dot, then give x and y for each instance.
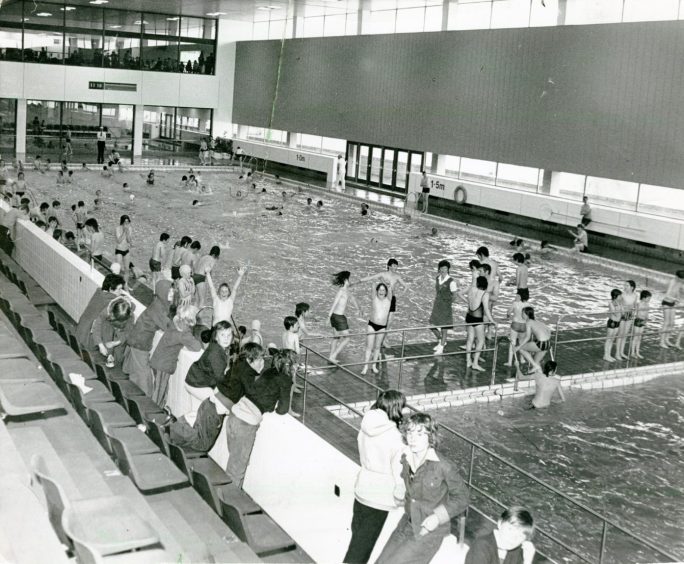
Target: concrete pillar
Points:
(562, 9)
(21, 129)
(545, 187)
(291, 140)
(445, 14)
(138, 133)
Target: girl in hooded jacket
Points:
(379, 486)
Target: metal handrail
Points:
(400, 330)
(474, 445)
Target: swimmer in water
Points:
(319, 206)
(546, 385)
(365, 210)
(613, 323)
(641, 318)
(337, 316)
(377, 324)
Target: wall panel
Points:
(599, 99)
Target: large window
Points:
(49, 124)
(93, 36)
(8, 119)
(171, 132)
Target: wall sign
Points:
(121, 86)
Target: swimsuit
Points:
(376, 327)
(638, 322)
(120, 252)
(524, 294)
(339, 322)
(542, 345)
(155, 265)
(393, 304)
(475, 316)
(612, 324)
(668, 302)
(626, 316)
(519, 326)
(175, 272)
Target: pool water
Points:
(291, 257)
(618, 451)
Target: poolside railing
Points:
(479, 457)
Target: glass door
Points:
(401, 181)
(388, 168)
(375, 165)
(352, 162)
(362, 175)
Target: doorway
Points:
(384, 167)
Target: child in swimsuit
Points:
(640, 320)
(478, 311)
(518, 325)
(614, 316)
(493, 286)
(338, 319)
(629, 299)
(380, 307)
(521, 276)
(672, 295)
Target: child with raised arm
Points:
(337, 316)
(223, 299)
(613, 323)
(393, 281)
(581, 239)
(641, 318)
(123, 242)
(377, 324)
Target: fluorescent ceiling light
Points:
(214, 14)
(173, 19)
(99, 2)
(138, 22)
(68, 9)
(44, 14)
(115, 26)
(268, 8)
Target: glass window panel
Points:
(518, 177)
(333, 146)
(433, 18)
(122, 39)
(8, 120)
(83, 37)
(567, 185)
(402, 168)
(410, 20)
(388, 166)
(660, 200)
(43, 32)
(416, 162)
(353, 23)
(199, 28)
(160, 43)
(280, 29)
(313, 27)
(255, 133)
(464, 15)
(478, 170)
(260, 30)
(510, 13)
(376, 163)
(452, 165)
(379, 22)
(593, 11)
(10, 32)
(650, 10)
(612, 193)
(117, 119)
(314, 10)
(43, 131)
(196, 58)
(363, 162)
(379, 5)
(335, 25)
(310, 142)
(276, 136)
(544, 15)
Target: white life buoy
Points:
(460, 195)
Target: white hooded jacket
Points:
(380, 450)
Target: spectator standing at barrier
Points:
(379, 487)
(269, 391)
(101, 144)
(435, 494)
(585, 212)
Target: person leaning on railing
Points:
(435, 494)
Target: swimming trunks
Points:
(524, 294)
(473, 319)
(393, 304)
(626, 316)
(198, 278)
(120, 252)
(155, 265)
(519, 326)
(638, 322)
(612, 324)
(79, 226)
(542, 345)
(667, 303)
(376, 327)
(339, 322)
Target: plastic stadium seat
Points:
(107, 522)
(156, 431)
(98, 394)
(140, 407)
(123, 389)
(19, 399)
(151, 473)
(103, 417)
(135, 440)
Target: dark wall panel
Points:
(605, 100)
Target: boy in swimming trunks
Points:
(521, 272)
(106, 172)
(613, 324)
(377, 324)
(672, 295)
(546, 385)
(482, 254)
(581, 241)
(640, 319)
(537, 340)
(338, 319)
(302, 313)
(290, 336)
(158, 254)
(629, 300)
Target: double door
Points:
(384, 167)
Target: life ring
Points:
(460, 195)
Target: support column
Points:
(545, 187)
(291, 140)
(20, 130)
(562, 9)
(138, 133)
(445, 14)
